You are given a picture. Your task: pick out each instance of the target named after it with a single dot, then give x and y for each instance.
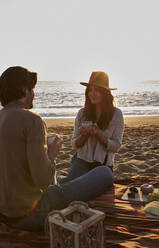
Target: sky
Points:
(65, 40)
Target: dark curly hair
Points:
(13, 83)
(107, 107)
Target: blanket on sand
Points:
(125, 223)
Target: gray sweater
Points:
(92, 149)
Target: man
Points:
(27, 161)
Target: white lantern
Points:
(76, 226)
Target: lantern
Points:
(76, 226)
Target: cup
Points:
(51, 138)
(87, 123)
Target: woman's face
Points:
(94, 95)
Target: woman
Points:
(98, 128)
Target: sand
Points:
(138, 156)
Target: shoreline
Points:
(129, 121)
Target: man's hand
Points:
(54, 147)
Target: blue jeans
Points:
(85, 185)
(78, 168)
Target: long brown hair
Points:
(107, 106)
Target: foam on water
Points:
(64, 99)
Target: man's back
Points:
(24, 165)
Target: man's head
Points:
(17, 83)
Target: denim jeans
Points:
(78, 168)
(83, 185)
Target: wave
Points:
(63, 107)
(69, 113)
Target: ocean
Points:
(64, 99)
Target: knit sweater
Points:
(25, 168)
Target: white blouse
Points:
(93, 150)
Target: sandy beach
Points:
(139, 154)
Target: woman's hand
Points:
(84, 131)
(94, 129)
(98, 134)
(89, 130)
(83, 137)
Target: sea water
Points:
(64, 99)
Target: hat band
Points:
(99, 84)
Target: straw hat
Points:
(99, 78)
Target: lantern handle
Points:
(79, 203)
(59, 213)
(53, 212)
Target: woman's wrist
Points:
(103, 140)
(80, 141)
(98, 134)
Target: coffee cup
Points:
(87, 123)
(51, 138)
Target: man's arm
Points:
(42, 169)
